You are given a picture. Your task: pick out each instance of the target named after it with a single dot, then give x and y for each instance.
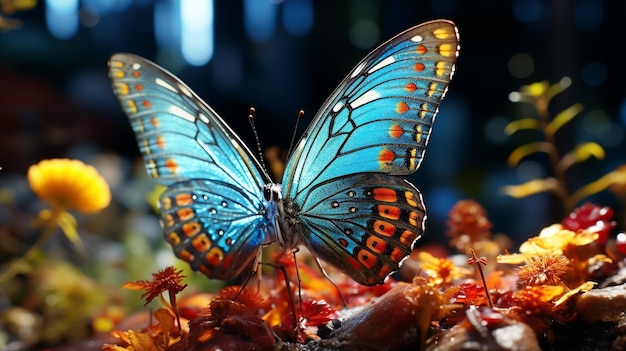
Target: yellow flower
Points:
(441, 270)
(69, 184)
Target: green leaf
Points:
(522, 151)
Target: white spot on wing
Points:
(160, 82)
(136, 66)
(365, 98)
(179, 112)
(417, 39)
(185, 90)
(203, 118)
(357, 70)
(338, 106)
(385, 62)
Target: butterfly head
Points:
(272, 192)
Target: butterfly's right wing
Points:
(214, 212)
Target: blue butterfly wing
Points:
(364, 224)
(214, 212)
(377, 122)
(214, 226)
(379, 117)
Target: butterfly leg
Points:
(321, 267)
(294, 251)
(255, 269)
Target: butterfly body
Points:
(339, 196)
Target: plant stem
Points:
(23, 264)
(553, 154)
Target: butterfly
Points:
(340, 195)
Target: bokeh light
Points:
(521, 65)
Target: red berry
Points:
(620, 242)
(592, 218)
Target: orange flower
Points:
(167, 279)
(69, 184)
(542, 269)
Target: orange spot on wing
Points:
(402, 107)
(201, 243)
(173, 239)
(419, 67)
(185, 255)
(376, 244)
(397, 254)
(147, 104)
(139, 87)
(384, 272)
(421, 49)
(385, 195)
(407, 238)
(214, 256)
(160, 141)
(183, 199)
(411, 87)
(155, 122)
(390, 212)
(185, 214)
(171, 165)
(386, 156)
(168, 221)
(367, 258)
(413, 217)
(136, 74)
(384, 228)
(396, 131)
(191, 228)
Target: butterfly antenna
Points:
(256, 137)
(295, 131)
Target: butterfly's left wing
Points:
(340, 182)
(214, 213)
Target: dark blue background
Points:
(56, 101)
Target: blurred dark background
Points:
(283, 56)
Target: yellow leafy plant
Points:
(539, 96)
